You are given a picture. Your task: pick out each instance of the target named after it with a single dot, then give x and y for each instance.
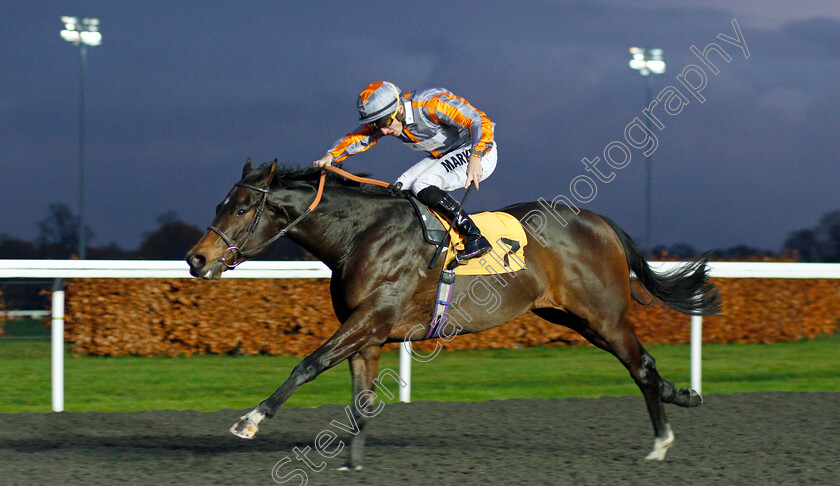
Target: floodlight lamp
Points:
(70, 36)
(647, 61)
(85, 32)
(656, 67)
(91, 38)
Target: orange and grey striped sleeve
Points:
(449, 109)
(354, 143)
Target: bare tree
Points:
(820, 244)
(58, 233)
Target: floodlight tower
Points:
(647, 62)
(82, 33)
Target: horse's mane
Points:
(289, 176)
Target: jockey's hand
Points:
(474, 171)
(324, 161)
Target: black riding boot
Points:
(475, 245)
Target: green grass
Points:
(216, 382)
(25, 328)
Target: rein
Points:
(237, 255)
(355, 178)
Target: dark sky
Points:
(181, 93)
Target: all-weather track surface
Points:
(750, 439)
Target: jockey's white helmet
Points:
(378, 100)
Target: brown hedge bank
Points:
(293, 317)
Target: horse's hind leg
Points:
(627, 348)
(363, 369)
(617, 337)
(684, 397)
(624, 344)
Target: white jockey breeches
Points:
(448, 172)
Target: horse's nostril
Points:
(196, 260)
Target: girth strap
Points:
(442, 301)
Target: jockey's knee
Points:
(418, 186)
(430, 195)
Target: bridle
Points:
(238, 255)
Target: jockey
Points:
(457, 137)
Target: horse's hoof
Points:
(244, 428)
(694, 399)
(350, 468)
(656, 455)
(660, 447)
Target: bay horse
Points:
(577, 275)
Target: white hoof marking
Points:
(248, 425)
(660, 447)
(247, 433)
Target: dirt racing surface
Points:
(751, 439)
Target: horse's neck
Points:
(334, 225)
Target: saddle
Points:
(433, 230)
(503, 231)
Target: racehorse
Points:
(577, 275)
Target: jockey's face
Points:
(395, 128)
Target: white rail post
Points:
(58, 346)
(405, 371)
(696, 351)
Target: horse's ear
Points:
(272, 171)
(249, 166)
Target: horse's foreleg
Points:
(363, 368)
(248, 425)
(357, 333)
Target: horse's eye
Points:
(241, 212)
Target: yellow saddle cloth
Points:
(504, 232)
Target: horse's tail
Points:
(685, 289)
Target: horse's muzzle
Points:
(196, 261)
(199, 267)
